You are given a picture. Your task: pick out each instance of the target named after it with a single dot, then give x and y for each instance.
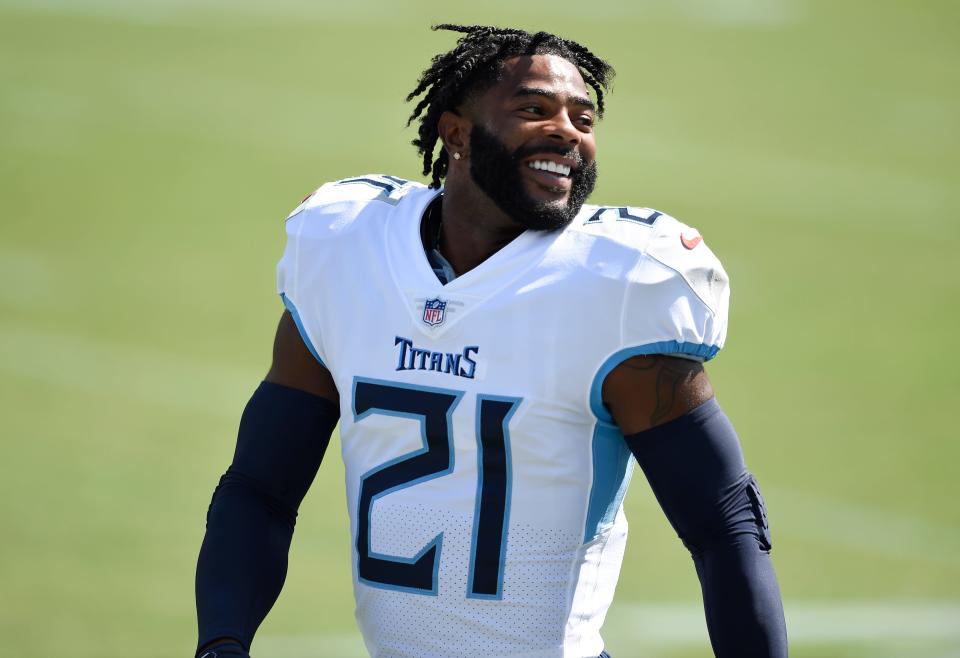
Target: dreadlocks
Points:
(475, 63)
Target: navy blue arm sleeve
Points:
(243, 560)
(696, 470)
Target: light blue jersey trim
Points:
(303, 332)
(705, 352)
(612, 466)
(612, 470)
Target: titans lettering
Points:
(416, 358)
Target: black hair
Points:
(474, 64)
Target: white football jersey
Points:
(484, 476)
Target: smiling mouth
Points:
(550, 166)
(550, 175)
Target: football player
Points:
(498, 356)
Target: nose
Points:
(561, 129)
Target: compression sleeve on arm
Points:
(696, 470)
(243, 560)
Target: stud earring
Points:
(456, 156)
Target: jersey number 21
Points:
(433, 408)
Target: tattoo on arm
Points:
(678, 385)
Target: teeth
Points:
(551, 166)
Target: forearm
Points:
(741, 599)
(696, 470)
(243, 560)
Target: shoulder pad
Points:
(369, 187)
(591, 215)
(630, 227)
(665, 240)
(682, 249)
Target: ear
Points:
(454, 131)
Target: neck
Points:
(474, 227)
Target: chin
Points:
(537, 195)
(562, 204)
(559, 198)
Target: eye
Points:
(585, 120)
(532, 109)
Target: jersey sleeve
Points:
(322, 224)
(293, 282)
(677, 296)
(304, 270)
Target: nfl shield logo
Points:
(433, 311)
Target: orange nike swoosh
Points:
(690, 243)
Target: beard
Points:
(498, 173)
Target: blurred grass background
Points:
(150, 150)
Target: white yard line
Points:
(343, 645)
(172, 12)
(808, 622)
(925, 628)
(728, 13)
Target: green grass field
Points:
(149, 151)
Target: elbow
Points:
(739, 521)
(237, 491)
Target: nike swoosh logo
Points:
(690, 243)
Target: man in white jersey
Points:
(496, 353)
